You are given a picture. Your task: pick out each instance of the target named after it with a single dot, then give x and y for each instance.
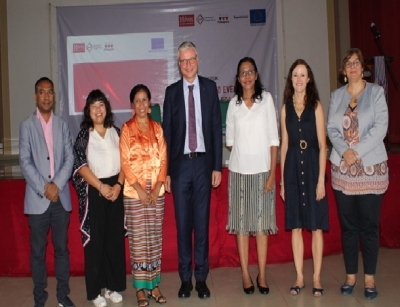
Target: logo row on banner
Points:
(256, 17)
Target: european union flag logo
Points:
(157, 43)
(258, 16)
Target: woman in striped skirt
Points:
(252, 135)
(144, 162)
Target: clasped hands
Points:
(110, 192)
(350, 157)
(51, 191)
(148, 198)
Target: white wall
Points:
(302, 33)
(305, 36)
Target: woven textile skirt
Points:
(144, 225)
(251, 211)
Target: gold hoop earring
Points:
(345, 79)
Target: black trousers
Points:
(58, 219)
(105, 264)
(359, 220)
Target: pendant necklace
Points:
(297, 108)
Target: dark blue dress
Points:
(301, 173)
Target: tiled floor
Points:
(226, 287)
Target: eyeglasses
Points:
(355, 63)
(188, 61)
(247, 72)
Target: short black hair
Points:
(41, 80)
(96, 95)
(137, 88)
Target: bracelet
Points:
(120, 184)
(100, 189)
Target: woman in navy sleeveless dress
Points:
(303, 162)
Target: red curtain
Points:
(385, 15)
(15, 247)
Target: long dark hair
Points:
(258, 87)
(94, 96)
(312, 95)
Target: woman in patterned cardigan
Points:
(98, 180)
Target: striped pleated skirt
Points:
(144, 225)
(251, 211)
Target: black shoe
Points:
(347, 288)
(370, 292)
(65, 302)
(184, 290)
(202, 289)
(249, 290)
(263, 290)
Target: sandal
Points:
(296, 290)
(159, 299)
(141, 302)
(317, 292)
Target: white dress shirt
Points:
(251, 133)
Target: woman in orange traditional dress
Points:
(144, 162)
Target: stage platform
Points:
(14, 253)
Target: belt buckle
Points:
(303, 144)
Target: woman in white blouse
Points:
(98, 180)
(252, 135)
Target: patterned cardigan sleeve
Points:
(80, 184)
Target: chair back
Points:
(224, 109)
(155, 112)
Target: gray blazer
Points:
(372, 124)
(35, 166)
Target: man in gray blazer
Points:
(46, 160)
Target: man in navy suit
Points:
(46, 160)
(193, 132)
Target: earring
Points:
(345, 79)
(362, 75)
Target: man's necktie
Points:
(192, 121)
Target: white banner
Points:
(114, 47)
